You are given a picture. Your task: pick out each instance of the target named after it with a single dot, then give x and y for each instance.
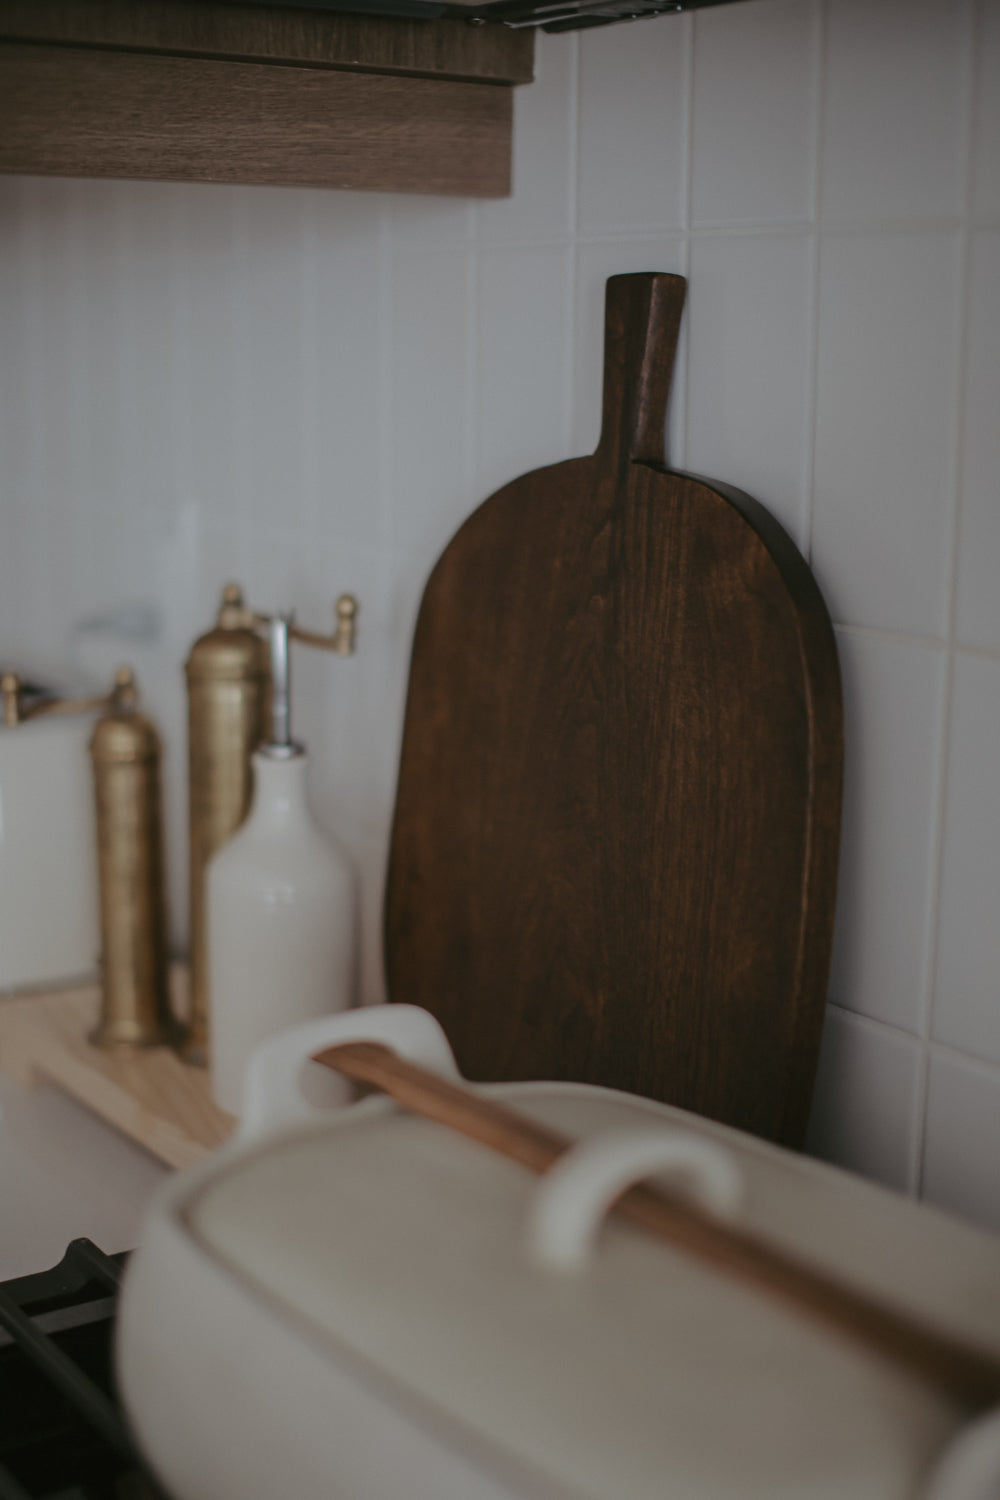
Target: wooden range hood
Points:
(201, 91)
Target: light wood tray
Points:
(147, 1093)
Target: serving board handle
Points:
(642, 325)
(969, 1374)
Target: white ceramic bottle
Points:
(282, 907)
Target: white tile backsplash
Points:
(960, 1148)
(985, 156)
(543, 174)
(347, 295)
(524, 316)
(889, 315)
(978, 603)
(896, 96)
(893, 703)
(432, 397)
(967, 988)
(308, 391)
(865, 1102)
(633, 120)
(749, 365)
(752, 149)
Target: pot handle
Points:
(273, 1094)
(575, 1194)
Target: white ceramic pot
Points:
(365, 1305)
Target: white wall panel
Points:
(522, 363)
(893, 702)
(544, 166)
(633, 127)
(752, 153)
(749, 367)
(896, 95)
(889, 320)
(865, 1105)
(963, 1124)
(978, 605)
(967, 990)
(986, 157)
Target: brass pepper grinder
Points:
(227, 679)
(125, 752)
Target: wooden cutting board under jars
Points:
(615, 842)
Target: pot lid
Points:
(403, 1247)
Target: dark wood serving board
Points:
(614, 851)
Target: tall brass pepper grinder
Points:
(227, 676)
(227, 690)
(125, 752)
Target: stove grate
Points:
(62, 1432)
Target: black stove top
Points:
(62, 1432)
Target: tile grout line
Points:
(682, 374)
(33, 300)
(179, 281)
(81, 341)
(922, 1090)
(473, 350)
(734, 229)
(982, 1065)
(808, 497)
(242, 413)
(312, 512)
(572, 212)
(918, 638)
(386, 529)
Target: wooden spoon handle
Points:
(967, 1373)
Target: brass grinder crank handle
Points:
(16, 712)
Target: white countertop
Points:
(65, 1174)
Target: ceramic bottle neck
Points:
(279, 798)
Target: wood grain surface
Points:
(277, 34)
(67, 111)
(147, 1093)
(614, 851)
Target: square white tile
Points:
(594, 264)
(967, 981)
(543, 168)
(755, 98)
(986, 157)
(522, 358)
(962, 1128)
(271, 321)
(348, 367)
(432, 401)
(978, 600)
(885, 427)
(156, 259)
(864, 1107)
(893, 705)
(896, 98)
(219, 467)
(749, 315)
(423, 222)
(633, 126)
